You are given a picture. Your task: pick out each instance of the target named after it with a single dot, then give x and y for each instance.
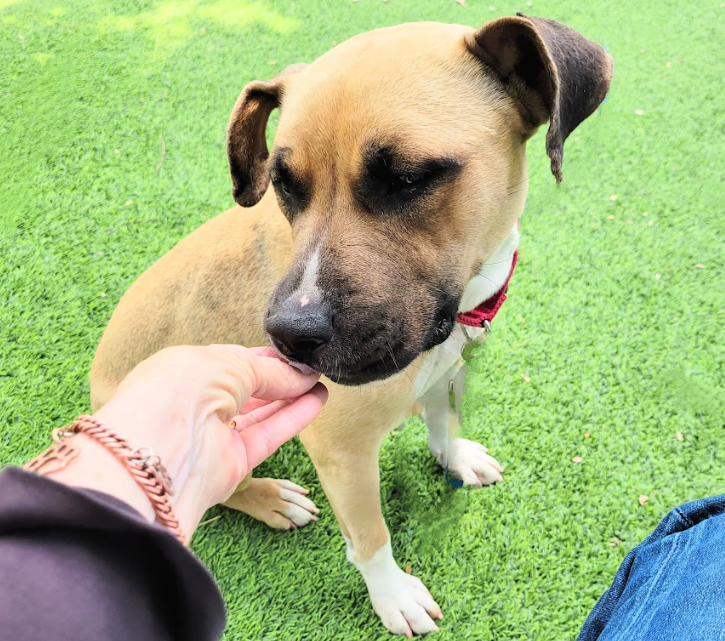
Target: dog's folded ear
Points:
(246, 136)
(551, 71)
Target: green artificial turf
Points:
(112, 126)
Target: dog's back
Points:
(212, 287)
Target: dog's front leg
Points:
(349, 473)
(463, 459)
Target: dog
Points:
(398, 177)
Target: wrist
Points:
(167, 437)
(96, 468)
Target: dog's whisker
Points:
(517, 184)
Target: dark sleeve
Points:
(80, 565)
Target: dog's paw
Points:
(279, 503)
(405, 606)
(470, 462)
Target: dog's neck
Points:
(493, 275)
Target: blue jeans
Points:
(671, 587)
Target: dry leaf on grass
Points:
(651, 222)
(700, 266)
(668, 64)
(587, 434)
(461, 2)
(527, 378)
(638, 112)
(408, 569)
(614, 542)
(613, 197)
(678, 436)
(643, 498)
(610, 217)
(577, 459)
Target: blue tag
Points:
(454, 483)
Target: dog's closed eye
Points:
(292, 193)
(390, 183)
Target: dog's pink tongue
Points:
(305, 369)
(301, 367)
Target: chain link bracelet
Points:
(145, 466)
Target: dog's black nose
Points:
(297, 333)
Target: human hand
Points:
(179, 402)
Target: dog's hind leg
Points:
(463, 459)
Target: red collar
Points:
(487, 310)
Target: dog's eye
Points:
(411, 181)
(281, 186)
(289, 193)
(391, 183)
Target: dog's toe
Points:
(471, 462)
(279, 503)
(406, 607)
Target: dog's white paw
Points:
(405, 606)
(470, 462)
(401, 600)
(279, 503)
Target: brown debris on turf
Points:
(526, 377)
(678, 436)
(211, 520)
(643, 498)
(614, 542)
(408, 569)
(577, 459)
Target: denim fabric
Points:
(671, 587)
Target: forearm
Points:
(79, 565)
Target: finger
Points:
(275, 379)
(253, 404)
(243, 421)
(262, 439)
(266, 351)
(265, 378)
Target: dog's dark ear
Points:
(552, 72)
(246, 136)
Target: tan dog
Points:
(399, 174)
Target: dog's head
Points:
(399, 161)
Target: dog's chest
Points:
(444, 360)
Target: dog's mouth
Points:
(301, 367)
(358, 358)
